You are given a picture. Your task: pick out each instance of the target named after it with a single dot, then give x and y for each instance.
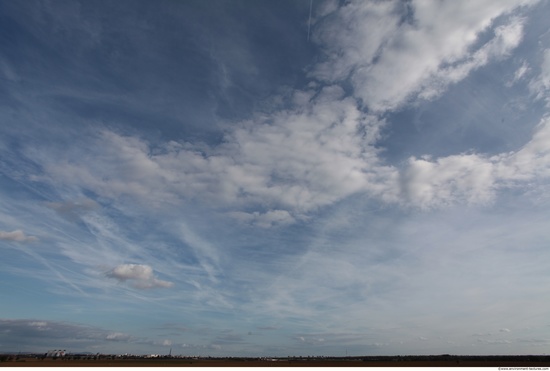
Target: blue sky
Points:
(202, 176)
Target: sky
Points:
(275, 178)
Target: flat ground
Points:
(542, 362)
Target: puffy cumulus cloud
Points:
(507, 37)
(304, 158)
(141, 276)
(447, 180)
(17, 236)
(474, 178)
(419, 48)
(352, 35)
(275, 169)
(132, 271)
(531, 161)
(280, 166)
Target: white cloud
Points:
(117, 336)
(17, 236)
(310, 339)
(279, 167)
(540, 86)
(283, 167)
(474, 178)
(141, 276)
(448, 180)
(419, 56)
(520, 73)
(352, 36)
(531, 161)
(507, 37)
(132, 271)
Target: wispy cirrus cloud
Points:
(540, 85)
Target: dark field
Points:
(542, 362)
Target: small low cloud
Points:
(17, 236)
(520, 73)
(72, 209)
(117, 336)
(310, 339)
(139, 275)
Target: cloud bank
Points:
(280, 166)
